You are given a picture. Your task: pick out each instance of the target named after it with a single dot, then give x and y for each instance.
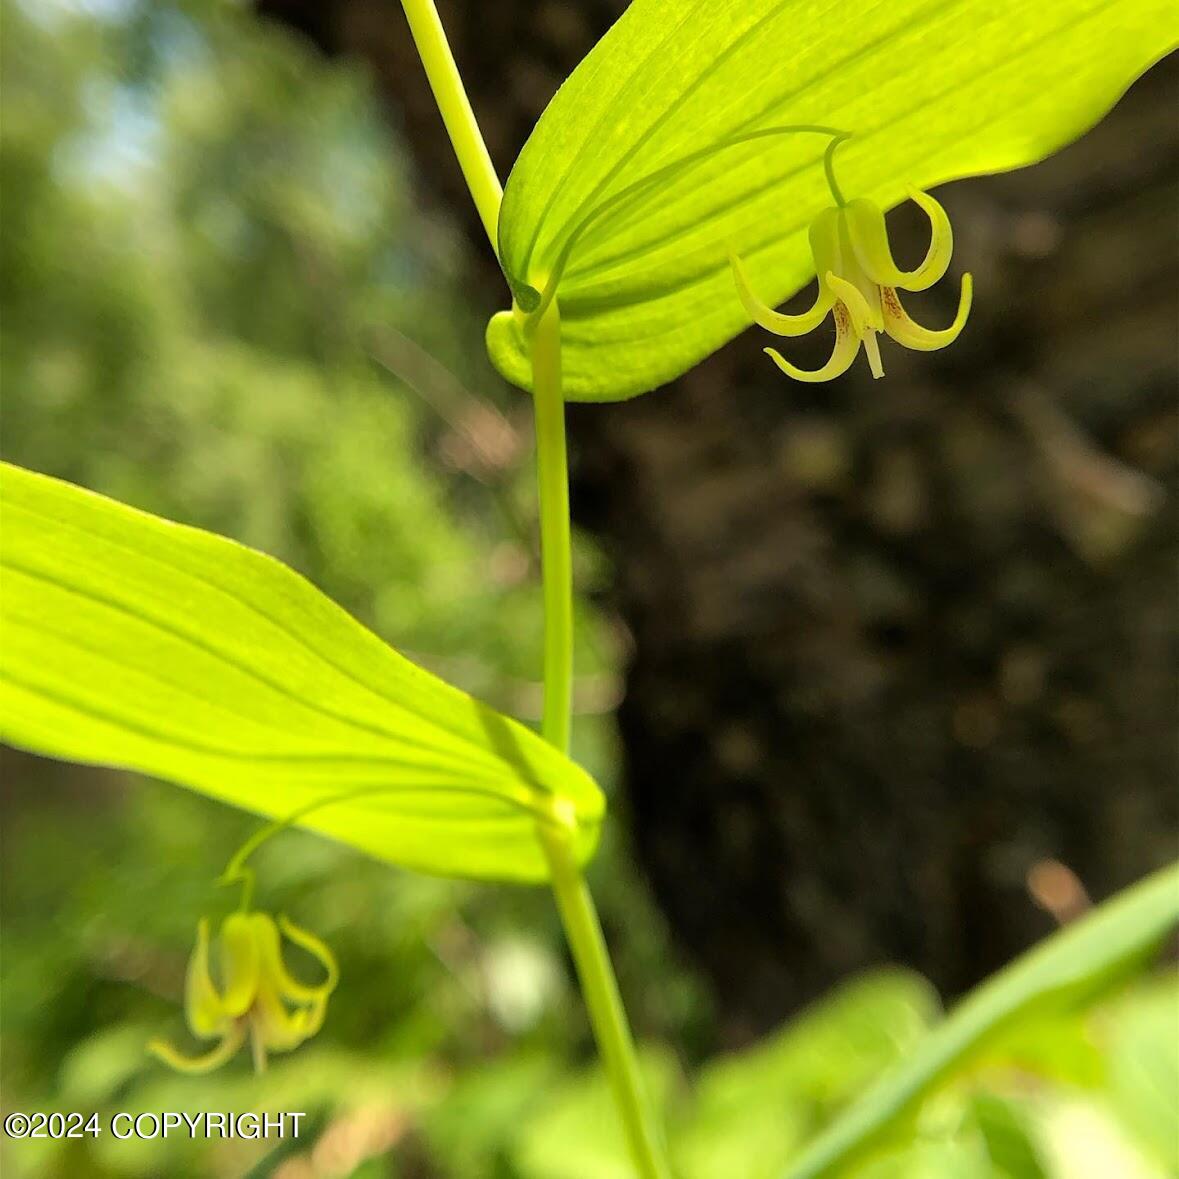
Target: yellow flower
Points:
(258, 996)
(858, 282)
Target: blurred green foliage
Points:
(221, 301)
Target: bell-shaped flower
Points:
(257, 998)
(858, 282)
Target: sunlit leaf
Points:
(131, 641)
(1072, 965)
(931, 90)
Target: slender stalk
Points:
(829, 167)
(552, 479)
(455, 108)
(574, 902)
(602, 1000)
(576, 905)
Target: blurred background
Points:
(880, 677)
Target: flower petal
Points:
(274, 1027)
(869, 239)
(313, 1017)
(240, 960)
(204, 1008)
(775, 321)
(862, 317)
(230, 1043)
(317, 949)
(274, 971)
(847, 344)
(902, 329)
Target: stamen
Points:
(872, 348)
(257, 1048)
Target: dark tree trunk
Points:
(897, 642)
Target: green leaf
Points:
(132, 641)
(575, 1132)
(1144, 1068)
(1072, 965)
(950, 1159)
(831, 1050)
(473, 1128)
(1058, 1047)
(931, 90)
(753, 1108)
(1008, 1136)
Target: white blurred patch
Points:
(521, 980)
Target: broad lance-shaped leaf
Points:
(932, 90)
(1071, 967)
(128, 640)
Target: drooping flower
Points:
(258, 997)
(858, 282)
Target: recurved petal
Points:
(869, 238)
(775, 321)
(905, 331)
(847, 344)
(319, 950)
(230, 1043)
(941, 243)
(313, 1017)
(203, 1006)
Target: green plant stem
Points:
(455, 108)
(606, 1012)
(552, 479)
(574, 902)
(576, 905)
